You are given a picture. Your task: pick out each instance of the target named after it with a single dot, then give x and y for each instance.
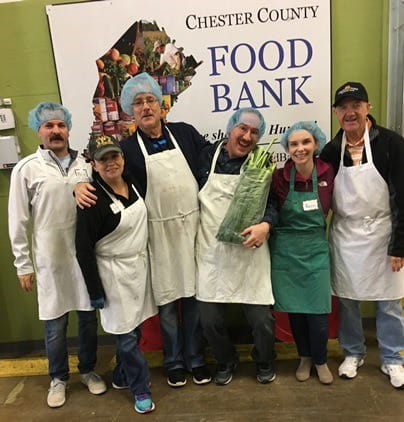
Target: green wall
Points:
(27, 75)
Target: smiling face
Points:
(351, 114)
(109, 166)
(147, 112)
(54, 135)
(243, 137)
(301, 147)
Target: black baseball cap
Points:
(350, 90)
(100, 145)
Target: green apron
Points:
(300, 264)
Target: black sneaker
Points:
(201, 375)
(176, 377)
(265, 374)
(224, 373)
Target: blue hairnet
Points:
(48, 111)
(311, 127)
(239, 117)
(139, 84)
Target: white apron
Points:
(360, 233)
(61, 287)
(226, 272)
(173, 217)
(123, 267)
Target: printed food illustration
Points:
(142, 48)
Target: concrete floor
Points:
(369, 397)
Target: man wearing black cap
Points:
(367, 231)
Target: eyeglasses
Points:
(150, 101)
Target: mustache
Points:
(56, 138)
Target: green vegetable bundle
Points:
(250, 197)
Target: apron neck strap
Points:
(215, 157)
(313, 178)
(114, 199)
(366, 139)
(143, 147)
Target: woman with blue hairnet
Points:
(300, 268)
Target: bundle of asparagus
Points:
(250, 197)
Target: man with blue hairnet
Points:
(41, 191)
(229, 273)
(163, 159)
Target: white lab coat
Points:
(42, 192)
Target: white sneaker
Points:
(57, 393)
(349, 367)
(396, 374)
(94, 382)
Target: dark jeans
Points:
(310, 332)
(183, 342)
(131, 366)
(56, 344)
(260, 320)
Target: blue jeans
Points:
(310, 332)
(131, 366)
(389, 327)
(56, 344)
(183, 343)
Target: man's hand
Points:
(27, 280)
(84, 196)
(258, 234)
(397, 262)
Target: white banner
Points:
(273, 56)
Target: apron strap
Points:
(367, 148)
(214, 160)
(313, 178)
(143, 147)
(114, 199)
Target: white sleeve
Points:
(18, 221)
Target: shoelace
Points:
(394, 369)
(59, 386)
(93, 376)
(141, 397)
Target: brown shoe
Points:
(324, 374)
(303, 371)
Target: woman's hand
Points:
(258, 234)
(84, 195)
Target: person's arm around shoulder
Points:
(197, 139)
(83, 192)
(331, 153)
(18, 221)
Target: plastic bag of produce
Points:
(250, 197)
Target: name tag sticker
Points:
(310, 205)
(81, 173)
(117, 207)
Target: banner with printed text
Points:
(210, 58)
